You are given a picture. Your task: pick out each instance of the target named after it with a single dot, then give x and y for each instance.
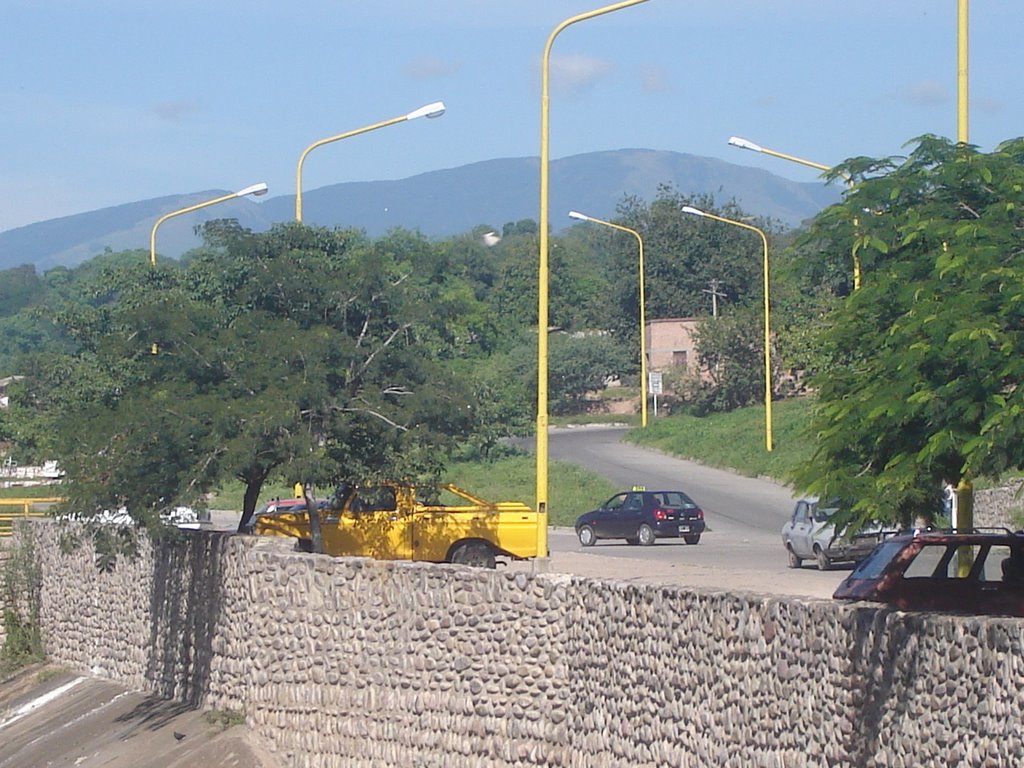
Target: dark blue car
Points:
(641, 516)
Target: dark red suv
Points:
(977, 572)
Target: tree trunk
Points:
(313, 514)
(252, 495)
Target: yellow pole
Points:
(961, 72)
(436, 109)
(255, 189)
(542, 280)
(767, 319)
(643, 313)
(736, 141)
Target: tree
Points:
(923, 364)
(294, 352)
(583, 363)
(731, 353)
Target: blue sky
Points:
(112, 101)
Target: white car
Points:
(810, 536)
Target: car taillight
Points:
(698, 513)
(660, 514)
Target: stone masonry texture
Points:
(355, 662)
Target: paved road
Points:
(741, 549)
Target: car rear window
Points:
(674, 499)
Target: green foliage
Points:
(735, 440)
(23, 642)
(222, 719)
(581, 364)
(683, 254)
(920, 382)
(298, 351)
(730, 348)
(514, 478)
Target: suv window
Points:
(874, 564)
(936, 561)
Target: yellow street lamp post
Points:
(435, 109)
(767, 318)
(961, 71)
(256, 190)
(736, 141)
(542, 280)
(643, 315)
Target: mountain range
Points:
(438, 203)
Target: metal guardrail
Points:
(28, 508)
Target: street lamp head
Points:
(736, 141)
(255, 190)
(692, 210)
(435, 109)
(578, 215)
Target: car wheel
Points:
(693, 538)
(587, 536)
(645, 535)
(473, 553)
(823, 562)
(794, 561)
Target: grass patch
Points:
(32, 491)
(230, 495)
(736, 440)
(629, 419)
(514, 478)
(222, 719)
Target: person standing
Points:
(300, 492)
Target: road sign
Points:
(654, 382)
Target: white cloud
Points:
(576, 72)
(926, 93)
(174, 111)
(655, 79)
(431, 68)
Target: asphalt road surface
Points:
(741, 549)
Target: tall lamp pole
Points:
(643, 316)
(436, 109)
(961, 71)
(767, 318)
(542, 280)
(736, 141)
(255, 190)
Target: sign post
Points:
(654, 387)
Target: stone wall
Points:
(353, 662)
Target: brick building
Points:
(671, 345)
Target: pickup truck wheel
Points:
(823, 562)
(587, 537)
(645, 535)
(692, 538)
(473, 553)
(794, 561)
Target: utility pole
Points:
(714, 297)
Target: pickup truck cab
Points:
(395, 521)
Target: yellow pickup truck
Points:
(393, 521)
